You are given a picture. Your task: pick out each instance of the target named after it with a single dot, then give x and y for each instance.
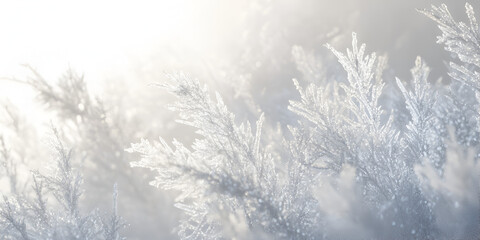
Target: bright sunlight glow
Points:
(87, 35)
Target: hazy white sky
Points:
(88, 35)
(92, 37)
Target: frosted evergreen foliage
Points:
(228, 170)
(462, 40)
(33, 215)
(9, 165)
(358, 154)
(345, 169)
(100, 130)
(351, 127)
(422, 137)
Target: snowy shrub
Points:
(347, 169)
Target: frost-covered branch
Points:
(229, 162)
(25, 217)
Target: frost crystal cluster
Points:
(351, 167)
